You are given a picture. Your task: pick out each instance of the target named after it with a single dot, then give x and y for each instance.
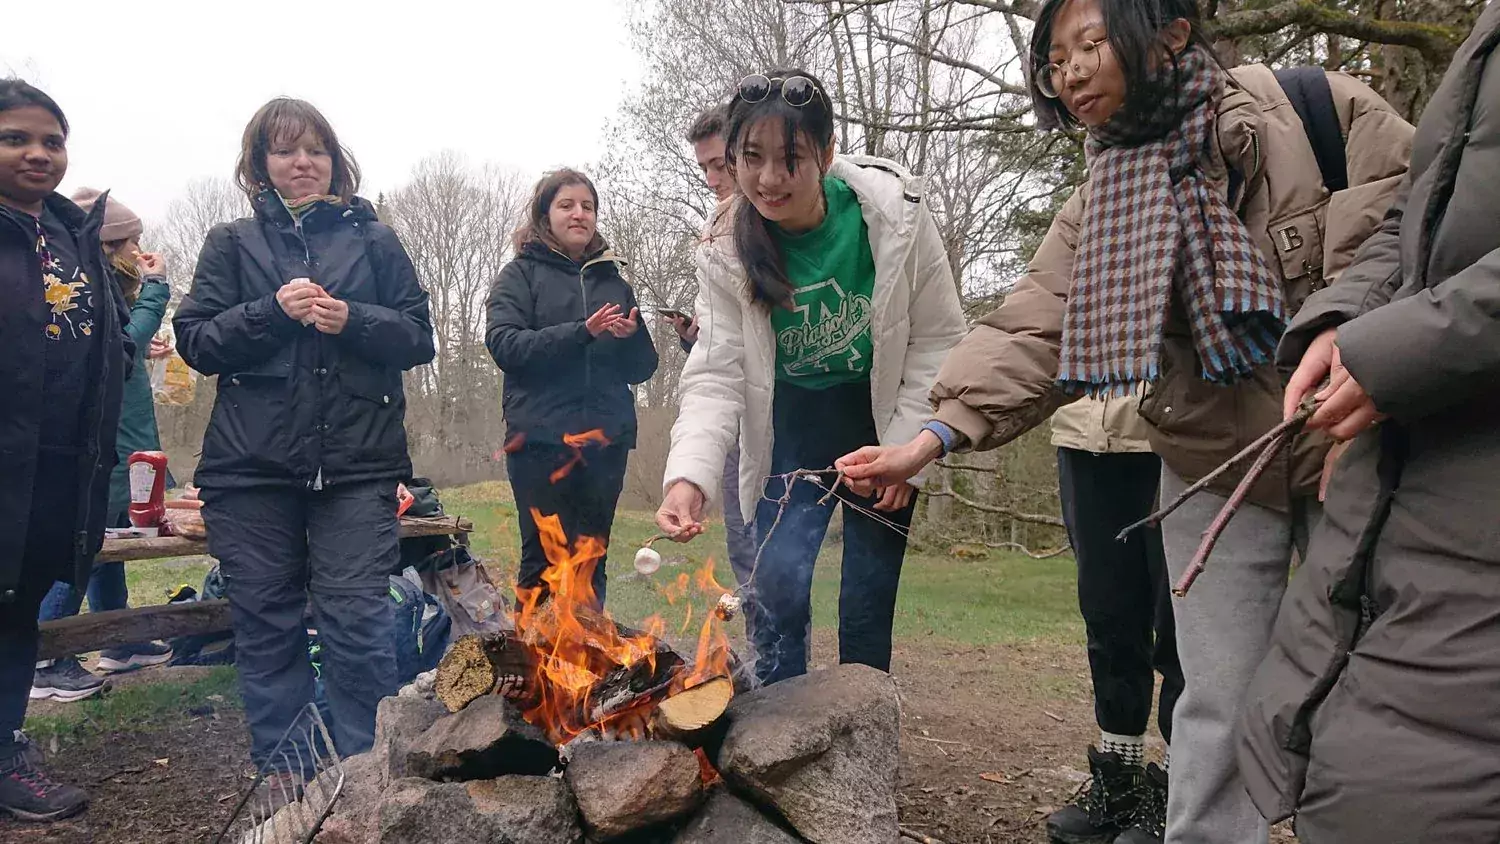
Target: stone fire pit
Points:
(813, 759)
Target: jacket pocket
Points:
(1298, 241)
(1193, 421)
(366, 419)
(252, 418)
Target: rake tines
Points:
(294, 788)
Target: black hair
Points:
(1134, 30)
(17, 94)
(707, 125)
(758, 253)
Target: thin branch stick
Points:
(1045, 554)
(909, 833)
(1290, 425)
(1232, 506)
(1032, 518)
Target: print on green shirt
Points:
(824, 339)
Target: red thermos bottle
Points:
(148, 488)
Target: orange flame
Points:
(577, 442)
(578, 644)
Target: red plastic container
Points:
(148, 488)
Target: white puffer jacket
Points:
(729, 381)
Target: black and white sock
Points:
(1131, 749)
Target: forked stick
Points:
(1290, 426)
(1232, 506)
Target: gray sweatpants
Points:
(1223, 631)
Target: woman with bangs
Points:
(308, 312)
(829, 304)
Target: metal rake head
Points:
(294, 788)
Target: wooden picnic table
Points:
(98, 630)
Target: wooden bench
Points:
(98, 630)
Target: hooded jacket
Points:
(1375, 714)
(296, 407)
(729, 382)
(22, 315)
(559, 378)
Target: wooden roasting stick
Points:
(1269, 445)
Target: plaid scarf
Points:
(1154, 227)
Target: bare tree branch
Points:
(1029, 518)
(1434, 41)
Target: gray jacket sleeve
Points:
(1425, 353)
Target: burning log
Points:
(478, 665)
(690, 715)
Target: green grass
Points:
(138, 706)
(1001, 597)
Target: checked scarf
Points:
(1154, 226)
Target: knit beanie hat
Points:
(120, 223)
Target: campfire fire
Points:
(591, 673)
(582, 674)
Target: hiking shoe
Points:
(1148, 825)
(131, 657)
(65, 680)
(30, 795)
(1106, 805)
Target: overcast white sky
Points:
(158, 92)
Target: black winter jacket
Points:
(22, 317)
(559, 379)
(294, 404)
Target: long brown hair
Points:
(284, 118)
(538, 225)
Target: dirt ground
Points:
(993, 741)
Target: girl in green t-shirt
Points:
(827, 304)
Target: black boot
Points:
(1107, 804)
(30, 795)
(1149, 823)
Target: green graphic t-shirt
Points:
(825, 338)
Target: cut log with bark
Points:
(690, 715)
(642, 683)
(478, 665)
(97, 630)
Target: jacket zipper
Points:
(588, 350)
(318, 481)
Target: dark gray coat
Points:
(1376, 715)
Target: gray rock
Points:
(400, 721)
(357, 807)
(729, 820)
(625, 786)
(508, 810)
(484, 740)
(822, 750)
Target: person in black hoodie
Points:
(66, 357)
(565, 329)
(308, 312)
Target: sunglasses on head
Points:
(797, 91)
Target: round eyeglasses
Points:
(1083, 63)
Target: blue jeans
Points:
(106, 592)
(779, 611)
